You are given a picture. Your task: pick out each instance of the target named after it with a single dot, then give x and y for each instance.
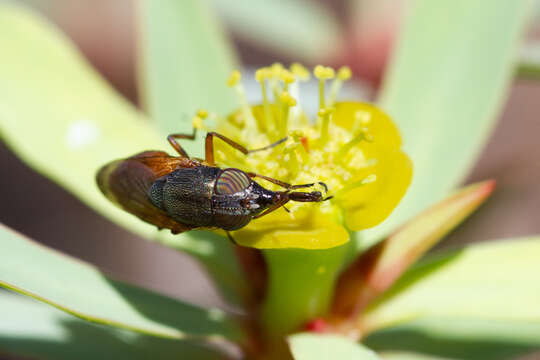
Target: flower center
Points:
(317, 149)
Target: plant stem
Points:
(300, 287)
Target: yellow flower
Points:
(353, 147)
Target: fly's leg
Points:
(287, 185)
(172, 140)
(209, 146)
(230, 237)
(274, 207)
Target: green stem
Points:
(300, 287)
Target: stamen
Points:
(290, 156)
(234, 78)
(287, 77)
(234, 81)
(261, 75)
(302, 145)
(355, 184)
(287, 102)
(300, 72)
(323, 73)
(344, 74)
(363, 135)
(325, 114)
(197, 123)
(197, 120)
(275, 71)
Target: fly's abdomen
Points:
(186, 195)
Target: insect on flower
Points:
(182, 193)
(352, 147)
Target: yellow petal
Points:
(367, 205)
(349, 115)
(308, 229)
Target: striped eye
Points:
(231, 181)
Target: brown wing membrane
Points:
(126, 183)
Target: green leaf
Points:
(38, 331)
(482, 294)
(185, 60)
(300, 29)
(445, 87)
(400, 355)
(65, 121)
(307, 346)
(81, 290)
(377, 269)
(465, 339)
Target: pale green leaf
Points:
(185, 60)
(301, 29)
(306, 346)
(486, 292)
(42, 332)
(81, 290)
(65, 121)
(454, 338)
(445, 86)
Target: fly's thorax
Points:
(186, 195)
(233, 211)
(250, 201)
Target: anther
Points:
(287, 99)
(323, 73)
(286, 76)
(344, 73)
(261, 74)
(300, 72)
(234, 78)
(276, 69)
(203, 114)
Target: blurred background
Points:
(356, 33)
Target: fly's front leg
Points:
(287, 185)
(209, 146)
(273, 208)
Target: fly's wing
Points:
(126, 183)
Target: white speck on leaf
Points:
(216, 314)
(81, 133)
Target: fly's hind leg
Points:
(209, 146)
(172, 140)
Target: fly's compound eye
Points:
(232, 181)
